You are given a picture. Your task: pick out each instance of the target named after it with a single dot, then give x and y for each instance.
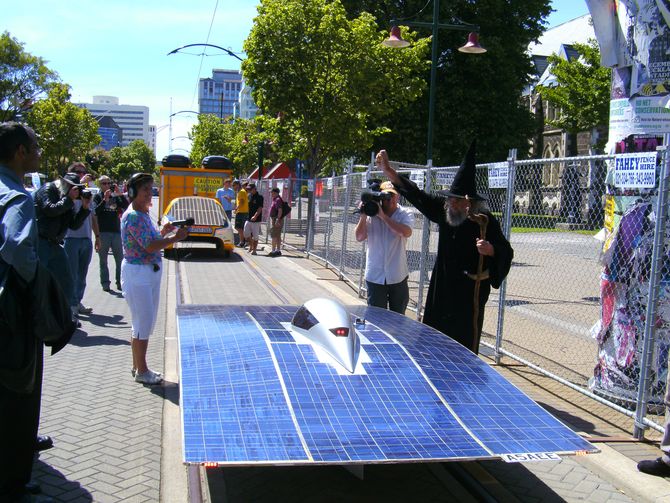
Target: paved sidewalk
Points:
(106, 427)
(111, 442)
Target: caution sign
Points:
(207, 184)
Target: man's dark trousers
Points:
(19, 419)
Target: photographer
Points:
(386, 225)
(109, 203)
(78, 245)
(55, 214)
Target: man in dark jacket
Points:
(20, 381)
(451, 304)
(55, 213)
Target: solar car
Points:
(211, 222)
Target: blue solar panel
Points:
(253, 393)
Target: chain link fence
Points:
(591, 266)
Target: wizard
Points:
(473, 255)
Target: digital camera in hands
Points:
(371, 196)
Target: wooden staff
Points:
(483, 222)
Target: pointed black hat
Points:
(464, 180)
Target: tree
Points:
(581, 93)
(137, 157)
(239, 141)
(65, 131)
(477, 96)
(99, 162)
(23, 78)
(330, 77)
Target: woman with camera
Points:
(141, 270)
(109, 204)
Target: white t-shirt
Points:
(386, 258)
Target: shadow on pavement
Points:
(388, 483)
(169, 391)
(83, 340)
(521, 482)
(101, 320)
(200, 255)
(574, 422)
(56, 485)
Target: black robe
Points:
(449, 305)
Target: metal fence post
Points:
(330, 221)
(507, 230)
(345, 219)
(652, 301)
(311, 217)
(425, 243)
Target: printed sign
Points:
(329, 182)
(530, 457)
(310, 185)
(445, 177)
(498, 175)
(416, 175)
(636, 170)
(207, 184)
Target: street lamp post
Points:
(471, 47)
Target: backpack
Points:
(285, 209)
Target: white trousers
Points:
(142, 289)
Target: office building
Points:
(219, 94)
(110, 133)
(247, 107)
(132, 119)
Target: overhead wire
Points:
(202, 56)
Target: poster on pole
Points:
(635, 171)
(498, 175)
(416, 175)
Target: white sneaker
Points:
(149, 377)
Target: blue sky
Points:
(120, 47)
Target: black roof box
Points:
(176, 161)
(217, 162)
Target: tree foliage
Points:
(65, 131)
(239, 141)
(23, 78)
(476, 95)
(330, 77)
(582, 90)
(137, 157)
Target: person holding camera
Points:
(55, 214)
(78, 244)
(141, 270)
(386, 225)
(109, 203)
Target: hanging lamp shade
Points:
(395, 40)
(472, 45)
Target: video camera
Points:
(371, 196)
(85, 194)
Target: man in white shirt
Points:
(386, 260)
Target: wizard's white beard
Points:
(455, 217)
